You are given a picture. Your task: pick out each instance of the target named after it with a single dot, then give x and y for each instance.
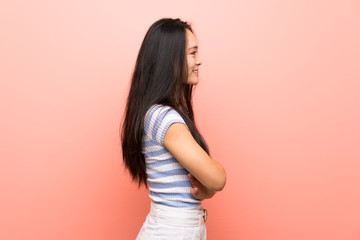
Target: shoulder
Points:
(156, 109)
(160, 112)
(158, 119)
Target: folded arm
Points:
(198, 190)
(181, 144)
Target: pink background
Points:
(278, 102)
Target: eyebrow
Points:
(196, 47)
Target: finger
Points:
(194, 183)
(192, 179)
(194, 191)
(191, 176)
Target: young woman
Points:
(162, 148)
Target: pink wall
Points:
(278, 103)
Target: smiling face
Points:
(193, 59)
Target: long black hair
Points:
(159, 77)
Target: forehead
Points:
(191, 40)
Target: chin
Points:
(193, 81)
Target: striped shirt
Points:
(167, 179)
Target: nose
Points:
(198, 61)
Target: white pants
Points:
(165, 223)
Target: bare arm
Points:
(198, 190)
(181, 144)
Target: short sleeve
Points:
(157, 121)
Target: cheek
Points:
(190, 62)
(191, 66)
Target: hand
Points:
(198, 190)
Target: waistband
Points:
(178, 216)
